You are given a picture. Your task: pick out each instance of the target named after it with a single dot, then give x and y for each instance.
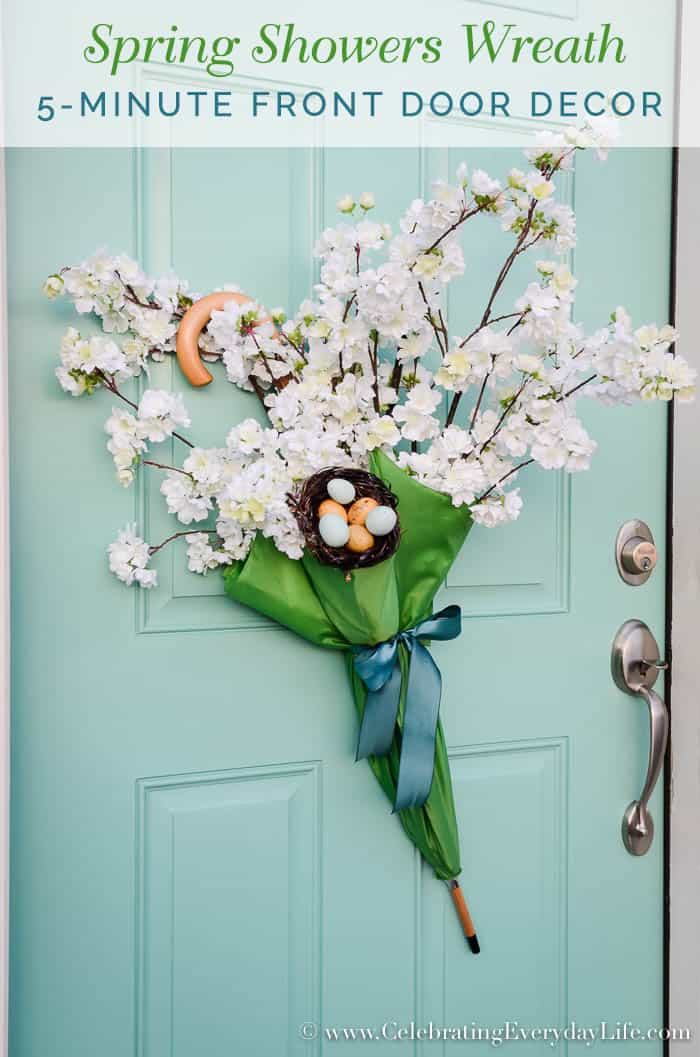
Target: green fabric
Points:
(365, 608)
(316, 602)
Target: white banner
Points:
(311, 73)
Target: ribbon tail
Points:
(447, 624)
(419, 729)
(379, 718)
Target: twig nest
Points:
(341, 490)
(340, 537)
(359, 510)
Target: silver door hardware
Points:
(636, 664)
(635, 552)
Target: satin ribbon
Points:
(380, 670)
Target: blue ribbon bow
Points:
(380, 671)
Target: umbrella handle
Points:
(191, 326)
(464, 915)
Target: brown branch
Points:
(510, 260)
(348, 306)
(113, 388)
(505, 477)
(179, 535)
(565, 396)
(164, 466)
(463, 216)
(184, 440)
(485, 319)
(443, 328)
(496, 319)
(431, 321)
(111, 385)
(395, 379)
(135, 300)
(258, 390)
(374, 360)
(264, 359)
(285, 340)
(506, 411)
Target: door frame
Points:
(683, 770)
(4, 621)
(682, 856)
(682, 910)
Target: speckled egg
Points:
(381, 520)
(341, 490)
(329, 506)
(334, 530)
(360, 509)
(359, 539)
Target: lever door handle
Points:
(635, 664)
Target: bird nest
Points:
(305, 504)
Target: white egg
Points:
(334, 531)
(381, 520)
(341, 490)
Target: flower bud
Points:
(516, 179)
(53, 287)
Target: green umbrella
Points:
(375, 606)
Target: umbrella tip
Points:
(464, 916)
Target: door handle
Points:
(636, 664)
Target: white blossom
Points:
(368, 361)
(129, 556)
(201, 556)
(184, 498)
(53, 287)
(126, 443)
(498, 510)
(160, 412)
(416, 415)
(483, 184)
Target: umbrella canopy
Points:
(375, 605)
(317, 603)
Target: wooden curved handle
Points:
(191, 326)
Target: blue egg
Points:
(334, 530)
(341, 490)
(381, 520)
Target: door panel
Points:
(198, 863)
(197, 833)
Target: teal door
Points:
(198, 865)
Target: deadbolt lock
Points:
(638, 555)
(635, 552)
